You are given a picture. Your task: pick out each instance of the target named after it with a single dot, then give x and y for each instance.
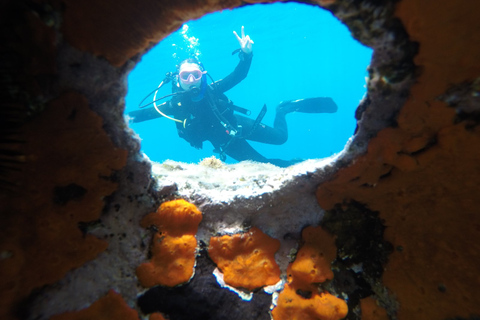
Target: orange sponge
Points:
(177, 218)
(313, 261)
(300, 298)
(174, 245)
(172, 263)
(247, 260)
(112, 306)
(319, 306)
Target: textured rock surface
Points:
(427, 196)
(112, 306)
(401, 198)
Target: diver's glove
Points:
(197, 144)
(245, 41)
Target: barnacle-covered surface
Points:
(401, 199)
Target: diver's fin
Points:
(309, 105)
(144, 115)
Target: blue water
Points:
(300, 51)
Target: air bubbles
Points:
(188, 47)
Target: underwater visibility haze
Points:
(299, 51)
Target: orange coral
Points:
(300, 298)
(247, 260)
(111, 306)
(176, 218)
(172, 262)
(313, 260)
(320, 306)
(174, 245)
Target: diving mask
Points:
(190, 76)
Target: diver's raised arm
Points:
(243, 66)
(245, 41)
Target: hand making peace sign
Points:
(245, 41)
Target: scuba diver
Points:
(202, 112)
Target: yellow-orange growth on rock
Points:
(174, 245)
(319, 306)
(313, 260)
(247, 260)
(300, 299)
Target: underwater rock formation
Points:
(401, 200)
(112, 306)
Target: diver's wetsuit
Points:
(210, 117)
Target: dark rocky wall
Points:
(69, 168)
